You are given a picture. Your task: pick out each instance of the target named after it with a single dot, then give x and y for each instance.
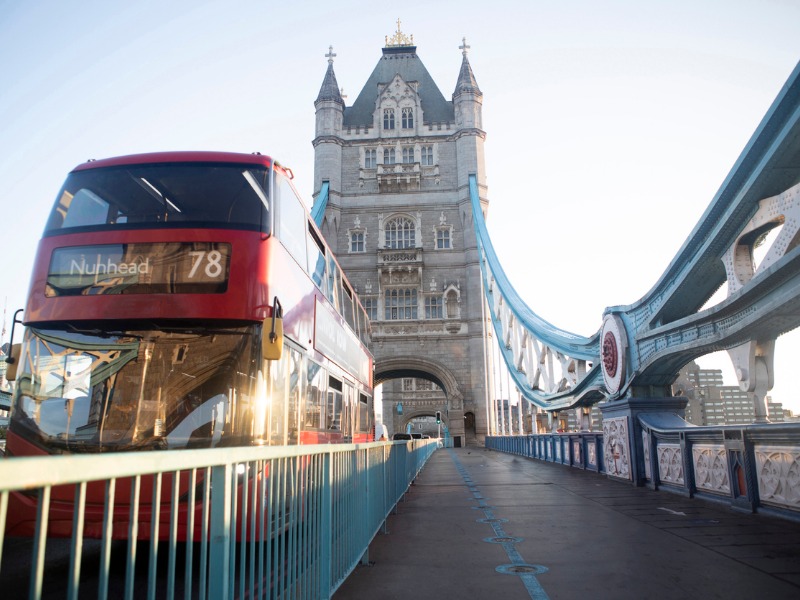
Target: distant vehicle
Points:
(402, 436)
(381, 432)
(416, 436)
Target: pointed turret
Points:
(467, 97)
(329, 102)
(329, 112)
(330, 88)
(466, 83)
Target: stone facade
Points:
(399, 220)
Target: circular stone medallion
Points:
(613, 345)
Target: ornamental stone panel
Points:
(778, 469)
(616, 447)
(670, 463)
(711, 468)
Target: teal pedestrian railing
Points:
(754, 468)
(271, 522)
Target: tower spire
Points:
(466, 79)
(329, 91)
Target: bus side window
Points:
(315, 392)
(347, 306)
(363, 325)
(291, 221)
(316, 259)
(334, 285)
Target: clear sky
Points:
(610, 124)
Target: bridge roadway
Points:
(569, 534)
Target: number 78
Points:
(212, 261)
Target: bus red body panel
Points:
(153, 289)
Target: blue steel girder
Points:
(666, 328)
(660, 325)
(548, 365)
(320, 204)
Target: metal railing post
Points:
(220, 543)
(326, 524)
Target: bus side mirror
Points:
(272, 342)
(12, 362)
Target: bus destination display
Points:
(139, 268)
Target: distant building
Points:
(710, 402)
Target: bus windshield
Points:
(138, 389)
(163, 195)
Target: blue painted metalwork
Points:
(318, 210)
(288, 521)
(666, 328)
(551, 342)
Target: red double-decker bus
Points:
(187, 300)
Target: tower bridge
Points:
(401, 195)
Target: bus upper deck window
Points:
(84, 208)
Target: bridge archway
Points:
(399, 367)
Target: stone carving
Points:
(648, 471)
(616, 447)
(778, 469)
(400, 257)
(591, 454)
(670, 463)
(711, 468)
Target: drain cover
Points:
(503, 540)
(521, 569)
(492, 520)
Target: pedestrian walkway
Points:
(479, 524)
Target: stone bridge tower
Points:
(398, 218)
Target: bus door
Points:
(348, 413)
(284, 397)
(364, 424)
(334, 409)
(314, 413)
(296, 382)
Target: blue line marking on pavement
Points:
(525, 571)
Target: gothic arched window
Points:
(427, 156)
(408, 118)
(388, 118)
(400, 233)
(369, 158)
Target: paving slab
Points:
(479, 524)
